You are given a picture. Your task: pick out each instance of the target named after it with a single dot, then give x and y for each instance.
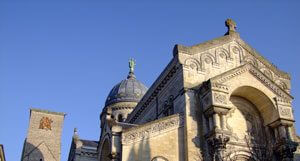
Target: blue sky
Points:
(65, 56)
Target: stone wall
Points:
(163, 137)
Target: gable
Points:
(256, 79)
(214, 57)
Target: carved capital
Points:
(285, 148)
(217, 145)
(215, 98)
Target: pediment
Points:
(257, 74)
(219, 55)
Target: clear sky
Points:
(65, 56)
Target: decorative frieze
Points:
(233, 54)
(152, 129)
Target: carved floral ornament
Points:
(45, 123)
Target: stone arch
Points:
(192, 64)
(222, 53)
(251, 60)
(250, 122)
(120, 118)
(260, 100)
(242, 156)
(236, 49)
(105, 150)
(206, 58)
(159, 158)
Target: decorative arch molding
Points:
(159, 158)
(246, 81)
(250, 68)
(242, 155)
(105, 148)
(262, 102)
(193, 64)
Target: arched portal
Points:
(252, 111)
(105, 151)
(244, 119)
(263, 104)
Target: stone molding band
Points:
(153, 129)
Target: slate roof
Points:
(89, 143)
(128, 90)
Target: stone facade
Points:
(218, 100)
(215, 101)
(43, 141)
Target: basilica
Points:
(219, 100)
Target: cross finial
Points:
(131, 68)
(231, 25)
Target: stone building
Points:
(2, 156)
(215, 101)
(43, 141)
(218, 100)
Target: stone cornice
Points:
(153, 91)
(259, 56)
(47, 112)
(256, 73)
(152, 129)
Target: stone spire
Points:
(131, 69)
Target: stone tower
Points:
(43, 141)
(121, 100)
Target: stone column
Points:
(215, 104)
(218, 146)
(284, 146)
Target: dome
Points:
(128, 90)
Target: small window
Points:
(120, 118)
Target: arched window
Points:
(120, 118)
(105, 151)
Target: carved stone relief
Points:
(230, 53)
(220, 98)
(150, 130)
(285, 112)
